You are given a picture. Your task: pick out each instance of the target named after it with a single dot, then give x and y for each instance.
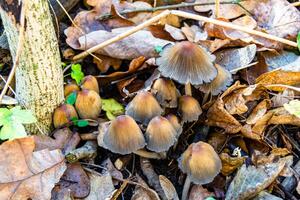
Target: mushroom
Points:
(201, 164)
(88, 104)
(69, 88)
(189, 108)
(219, 84)
(165, 92)
(63, 115)
(187, 63)
(173, 119)
(123, 136)
(160, 134)
(143, 107)
(90, 83)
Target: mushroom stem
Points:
(150, 155)
(188, 89)
(186, 188)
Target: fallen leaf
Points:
(293, 107)
(281, 116)
(7, 100)
(106, 62)
(143, 192)
(249, 181)
(168, 188)
(259, 111)
(101, 187)
(230, 164)
(263, 195)
(26, 174)
(199, 193)
(194, 33)
(176, 33)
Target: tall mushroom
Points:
(201, 164)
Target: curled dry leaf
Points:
(176, 33)
(106, 62)
(263, 195)
(230, 164)
(168, 188)
(194, 33)
(141, 43)
(259, 111)
(281, 116)
(143, 192)
(251, 180)
(26, 174)
(199, 193)
(101, 187)
(279, 77)
(232, 59)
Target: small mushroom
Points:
(69, 88)
(174, 120)
(187, 62)
(219, 84)
(88, 104)
(143, 107)
(90, 83)
(189, 108)
(165, 92)
(123, 136)
(201, 164)
(160, 134)
(63, 115)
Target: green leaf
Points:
(71, 98)
(298, 41)
(22, 116)
(112, 108)
(210, 198)
(158, 49)
(4, 116)
(293, 107)
(76, 73)
(12, 131)
(82, 123)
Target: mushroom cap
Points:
(200, 162)
(187, 62)
(219, 84)
(165, 92)
(90, 83)
(69, 88)
(160, 134)
(88, 104)
(143, 107)
(63, 115)
(189, 108)
(174, 120)
(123, 135)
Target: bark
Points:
(39, 77)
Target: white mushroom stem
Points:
(188, 89)
(186, 188)
(150, 155)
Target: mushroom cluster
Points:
(87, 104)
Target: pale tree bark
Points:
(39, 77)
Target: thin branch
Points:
(18, 52)
(217, 8)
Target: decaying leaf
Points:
(249, 181)
(176, 33)
(199, 193)
(230, 164)
(102, 187)
(143, 192)
(263, 195)
(26, 174)
(194, 33)
(281, 116)
(168, 188)
(259, 111)
(106, 62)
(293, 107)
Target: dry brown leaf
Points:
(106, 62)
(263, 195)
(101, 187)
(141, 43)
(281, 116)
(259, 111)
(194, 33)
(26, 174)
(199, 193)
(230, 164)
(176, 33)
(217, 140)
(144, 192)
(279, 77)
(168, 188)
(249, 181)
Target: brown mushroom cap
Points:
(165, 92)
(63, 115)
(69, 88)
(90, 83)
(123, 135)
(187, 62)
(88, 104)
(160, 134)
(219, 84)
(174, 120)
(200, 162)
(143, 107)
(189, 108)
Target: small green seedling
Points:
(112, 108)
(298, 41)
(76, 73)
(71, 98)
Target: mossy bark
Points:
(39, 77)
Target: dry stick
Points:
(18, 52)
(217, 8)
(185, 15)
(243, 67)
(296, 4)
(122, 35)
(233, 26)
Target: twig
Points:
(243, 67)
(168, 7)
(217, 8)
(282, 85)
(18, 52)
(185, 15)
(89, 150)
(296, 4)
